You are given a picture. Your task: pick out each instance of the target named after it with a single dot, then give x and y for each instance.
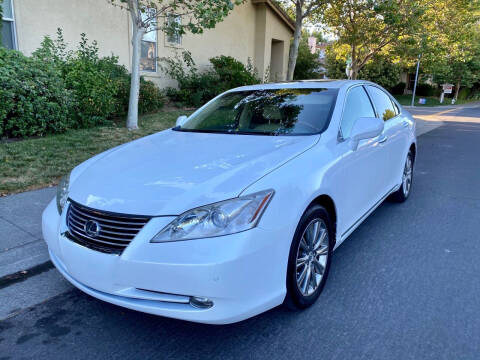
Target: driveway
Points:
(405, 285)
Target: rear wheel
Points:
(407, 179)
(309, 259)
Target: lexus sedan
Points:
(238, 208)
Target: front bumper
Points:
(243, 274)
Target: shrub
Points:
(398, 89)
(100, 86)
(94, 92)
(232, 73)
(464, 93)
(196, 88)
(151, 97)
(424, 89)
(92, 87)
(33, 97)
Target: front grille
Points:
(116, 231)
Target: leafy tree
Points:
(300, 10)
(380, 69)
(154, 15)
(308, 64)
(452, 52)
(447, 42)
(461, 71)
(369, 26)
(335, 62)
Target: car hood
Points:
(173, 171)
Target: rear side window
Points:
(357, 105)
(395, 106)
(382, 102)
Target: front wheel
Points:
(309, 259)
(407, 179)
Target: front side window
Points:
(173, 33)
(382, 103)
(148, 52)
(357, 105)
(8, 25)
(266, 112)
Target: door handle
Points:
(405, 124)
(383, 139)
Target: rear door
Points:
(395, 132)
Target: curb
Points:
(23, 258)
(23, 275)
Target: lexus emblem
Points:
(92, 228)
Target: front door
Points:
(361, 179)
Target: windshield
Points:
(266, 112)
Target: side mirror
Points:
(366, 128)
(181, 120)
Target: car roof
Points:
(303, 84)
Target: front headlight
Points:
(222, 218)
(62, 192)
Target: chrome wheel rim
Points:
(407, 176)
(312, 256)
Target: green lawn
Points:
(431, 101)
(35, 163)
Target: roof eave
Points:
(279, 11)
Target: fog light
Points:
(201, 302)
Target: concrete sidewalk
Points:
(21, 244)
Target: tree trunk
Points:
(132, 118)
(354, 71)
(353, 65)
(457, 90)
(292, 58)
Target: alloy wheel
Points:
(407, 176)
(312, 256)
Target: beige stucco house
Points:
(257, 30)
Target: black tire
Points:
(295, 299)
(402, 194)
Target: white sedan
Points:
(239, 207)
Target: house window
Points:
(8, 25)
(174, 37)
(148, 52)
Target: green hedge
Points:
(33, 97)
(398, 89)
(424, 89)
(55, 89)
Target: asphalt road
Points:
(405, 285)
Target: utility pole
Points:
(416, 79)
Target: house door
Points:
(276, 61)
